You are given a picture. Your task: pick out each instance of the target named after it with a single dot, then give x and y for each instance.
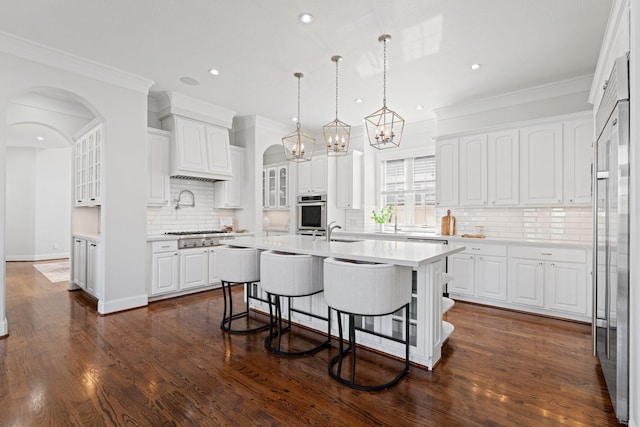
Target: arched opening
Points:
(41, 124)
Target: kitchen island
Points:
(427, 329)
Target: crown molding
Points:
(46, 103)
(32, 51)
(174, 103)
(509, 99)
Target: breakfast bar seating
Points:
(287, 275)
(237, 265)
(365, 289)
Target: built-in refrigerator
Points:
(611, 237)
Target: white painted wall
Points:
(20, 230)
(38, 204)
(52, 203)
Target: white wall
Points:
(20, 230)
(38, 204)
(52, 203)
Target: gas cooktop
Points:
(189, 233)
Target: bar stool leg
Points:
(228, 315)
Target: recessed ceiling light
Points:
(306, 18)
(359, 100)
(419, 107)
(475, 66)
(214, 72)
(189, 81)
(39, 138)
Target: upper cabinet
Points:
(228, 194)
(88, 165)
(578, 155)
(349, 177)
(503, 157)
(275, 194)
(541, 164)
(312, 176)
(547, 164)
(198, 149)
(157, 167)
(447, 173)
(473, 170)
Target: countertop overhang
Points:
(411, 254)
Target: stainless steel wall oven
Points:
(312, 213)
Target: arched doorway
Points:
(41, 124)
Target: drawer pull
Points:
(166, 246)
(547, 253)
(475, 249)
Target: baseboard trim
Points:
(107, 307)
(4, 327)
(38, 257)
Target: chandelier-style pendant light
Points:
(385, 126)
(298, 145)
(337, 133)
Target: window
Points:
(410, 185)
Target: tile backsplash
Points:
(566, 223)
(203, 216)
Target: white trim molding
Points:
(23, 48)
(107, 307)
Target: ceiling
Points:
(257, 45)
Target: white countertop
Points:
(411, 254)
(570, 244)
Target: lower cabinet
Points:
(86, 266)
(174, 270)
(479, 271)
(544, 280)
(194, 267)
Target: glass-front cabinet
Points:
(276, 187)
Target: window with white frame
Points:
(409, 185)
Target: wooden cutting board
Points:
(448, 225)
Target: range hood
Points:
(200, 148)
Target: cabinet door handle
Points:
(470, 256)
(481, 258)
(94, 245)
(570, 200)
(553, 265)
(540, 264)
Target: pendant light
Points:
(337, 133)
(298, 145)
(385, 126)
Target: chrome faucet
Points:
(314, 234)
(193, 199)
(330, 228)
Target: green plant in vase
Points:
(383, 217)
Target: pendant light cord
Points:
(298, 123)
(337, 88)
(384, 75)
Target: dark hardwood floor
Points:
(169, 364)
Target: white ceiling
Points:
(258, 44)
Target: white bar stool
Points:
(290, 275)
(237, 265)
(365, 289)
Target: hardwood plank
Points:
(170, 364)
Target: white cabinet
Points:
(194, 267)
(479, 271)
(157, 167)
(349, 178)
(578, 154)
(88, 165)
(447, 173)
(79, 262)
(164, 267)
(312, 176)
(473, 170)
(198, 149)
(86, 266)
(213, 271)
(551, 278)
(276, 186)
(228, 194)
(541, 164)
(503, 170)
(94, 281)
